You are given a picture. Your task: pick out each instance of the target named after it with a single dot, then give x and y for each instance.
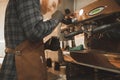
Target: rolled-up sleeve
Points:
(31, 20)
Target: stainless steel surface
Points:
(98, 59)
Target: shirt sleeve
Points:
(31, 20)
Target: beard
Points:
(48, 6)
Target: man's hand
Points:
(58, 15)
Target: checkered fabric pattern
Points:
(23, 20)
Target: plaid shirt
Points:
(23, 21)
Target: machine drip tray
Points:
(98, 59)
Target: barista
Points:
(24, 33)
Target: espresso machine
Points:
(100, 24)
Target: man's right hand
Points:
(58, 15)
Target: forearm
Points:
(41, 29)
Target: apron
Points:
(30, 61)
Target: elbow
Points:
(33, 37)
